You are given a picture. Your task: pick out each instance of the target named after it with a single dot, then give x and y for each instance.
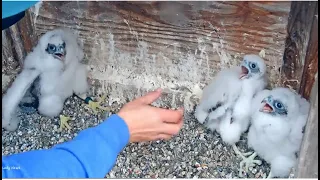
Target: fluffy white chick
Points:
(250, 161)
(276, 133)
(56, 59)
(218, 96)
(226, 102)
(231, 90)
(13, 96)
(60, 83)
(253, 80)
(237, 120)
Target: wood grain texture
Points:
(27, 34)
(308, 158)
(9, 62)
(17, 41)
(170, 41)
(311, 60)
(299, 30)
(10, 65)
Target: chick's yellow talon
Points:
(64, 122)
(96, 105)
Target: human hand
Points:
(148, 123)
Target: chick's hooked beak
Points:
(267, 106)
(60, 54)
(244, 71)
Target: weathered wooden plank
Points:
(300, 73)
(308, 158)
(27, 32)
(9, 63)
(311, 61)
(299, 29)
(17, 41)
(166, 44)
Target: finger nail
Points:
(158, 90)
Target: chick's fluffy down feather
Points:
(13, 96)
(224, 89)
(277, 138)
(230, 132)
(59, 79)
(63, 83)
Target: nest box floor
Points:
(194, 153)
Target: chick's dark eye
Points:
(253, 65)
(52, 47)
(279, 105)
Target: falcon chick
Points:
(56, 61)
(226, 102)
(276, 130)
(218, 96)
(250, 161)
(253, 80)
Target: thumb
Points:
(149, 98)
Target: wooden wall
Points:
(301, 62)
(300, 59)
(308, 158)
(173, 45)
(17, 41)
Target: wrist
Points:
(119, 125)
(124, 118)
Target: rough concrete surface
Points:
(194, 153)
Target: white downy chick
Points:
(218, 96)
(222, 94)
(253, 80)
(276, 132)
(60, 83)
(56, 59)
(226, 102)
(237, 120)
(250, 161)
(13, 96)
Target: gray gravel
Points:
(194, 153)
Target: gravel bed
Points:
(194, 153)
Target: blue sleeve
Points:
(92, 154)
(14, 11)
(11, 8)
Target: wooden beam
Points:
(299, 72)
(311, 60)
(299, 29)
(308, 158)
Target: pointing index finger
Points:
(149, 97)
